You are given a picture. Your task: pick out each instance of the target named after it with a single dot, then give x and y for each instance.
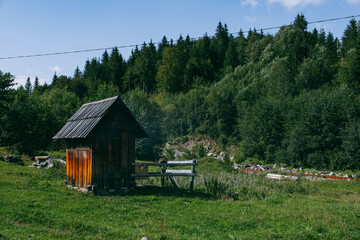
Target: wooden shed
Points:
(100, 139)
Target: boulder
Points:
(14, 159)
(178, 154)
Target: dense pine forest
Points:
(292, 97)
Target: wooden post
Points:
(163, 170)
(192, 177)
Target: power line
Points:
(318, 21)
(134, 45)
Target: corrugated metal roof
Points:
(85, 119)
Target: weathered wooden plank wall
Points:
(108, 165)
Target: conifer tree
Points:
(116, 68)
(219, 45)
(350, 37)
(28, 86)
(231, 58)
(164, 44)
(36, 83)
(241, 48)
(6, 82)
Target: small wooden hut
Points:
(100, 140)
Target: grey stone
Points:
(14, 159)
(178, 154)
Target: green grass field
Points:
(35, 204)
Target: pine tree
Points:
(116, 68)
(105, 71)
(164, 44)
(300, 22)
(350, 37)
(241, 48)
(36, 83)
(322, 37)
(28, 86)
(77, 73)
(6, 82)
(219, 45)
(356, 64)
(78, 85)
(231, 58)
(331, 49)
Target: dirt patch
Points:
(210, 145)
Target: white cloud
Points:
(56, 69)
(21, 80)
(252, 3)
(353, 1)
(293, 3)
(251, 19)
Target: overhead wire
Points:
(134, 45)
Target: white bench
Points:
(171, 173)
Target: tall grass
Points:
(47, 177)
(242, 185)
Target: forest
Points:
(291, 98)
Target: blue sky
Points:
(43, 26)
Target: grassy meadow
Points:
(35, 204)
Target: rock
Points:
(260, 167)
(144, 238)
(209, 154)
(178, 154)
(31, 235)
(14, 159)
(43, 164)
(220, 158)
(222, 154)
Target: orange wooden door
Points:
(78, 167)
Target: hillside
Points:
(291, 98)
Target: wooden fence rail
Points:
(170, 173)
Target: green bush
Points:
(199, 150)
(169, 153)
(216, 187)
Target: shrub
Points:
(216, 187)
(169, 152)
(199, 150)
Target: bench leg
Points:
(192, 184)
(163, 170)
(174, 182)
